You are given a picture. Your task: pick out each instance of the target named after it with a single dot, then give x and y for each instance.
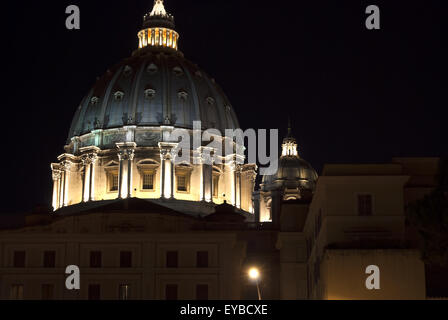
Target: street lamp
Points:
(254, 274)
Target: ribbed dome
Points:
(153, 88)
(292, 169)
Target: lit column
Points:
(89, 157)
(93, 158)
(163, 157)
(121, 158)
(232, 168)
(172, 175)
(88, 185)
(86, 178)
(126, 152)
(83, 183)
(167, 174)
(66, 166)
(238, 186)
(61, 190)
(206, 156)
(131, 154)
(167, 167)
(56, 183)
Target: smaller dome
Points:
(293, 170)
(294, 173)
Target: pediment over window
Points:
(210, 100)
(150, 93)
(111, 165)
(152, 68)
(178, 71)
(182, 94)
(147, 164)
(184, 167)
(119, 95)
(94, 100)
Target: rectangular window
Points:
(47, 292)
(215, 186)
(95, 259)
(202, 292)
(202, 259)
(49, 259)
(16, 292)
(171, 259)
(94, 292)
(171, 292)
(182, 184)
(148, 181)
(365, 205)
(113, 182)
(124, 292)
(19, 259)
(125, 259)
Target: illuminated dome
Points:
(119, 143)
(293, 171)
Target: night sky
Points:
(353, 95)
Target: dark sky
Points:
(353, 95)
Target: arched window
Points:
(183, 95)
(150, 93)
(152, 68)
(178, 71)
(119, 95)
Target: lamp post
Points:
(254, 274)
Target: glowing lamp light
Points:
(254, 274)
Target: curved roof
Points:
(292, 169)
(153, 88)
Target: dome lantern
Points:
(289, 146)
(158, 29)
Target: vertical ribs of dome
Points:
(146, 89)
